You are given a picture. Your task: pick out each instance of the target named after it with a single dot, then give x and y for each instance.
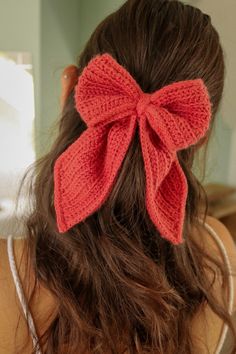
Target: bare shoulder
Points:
(229, 245)
(225, 237)
(206, 325)
(11, 314)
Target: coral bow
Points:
(112, 104)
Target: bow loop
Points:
(105, 93)
(111, 103)
(180, 113)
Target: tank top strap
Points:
(219, 242)
(21, 295)
(29, 317)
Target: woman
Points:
(110, 280)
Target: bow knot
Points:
(143, 103)
(109, 100)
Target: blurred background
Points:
(38, 39)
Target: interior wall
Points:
(222, 150)
(60, 42)
(64, 31)
(55, 33)
(232, 159)
(91, 13)
(20, 31)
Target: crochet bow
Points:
(112, 104)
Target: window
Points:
(17, 113)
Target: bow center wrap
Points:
(143, 103)
(111, 103)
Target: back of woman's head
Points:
(118, 283)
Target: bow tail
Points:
(85, 173)
(166, 185)
(171, 202)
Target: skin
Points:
(206, 326)
(208, 317)
(45, 305)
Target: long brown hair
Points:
(118, 284)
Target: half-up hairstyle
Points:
(118, 285)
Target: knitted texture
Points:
(112, 104)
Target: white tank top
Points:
(30, 320)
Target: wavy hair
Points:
(118, 285)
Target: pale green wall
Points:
(20, 31)
(55, 31)
(60, 42)
(223, 147)
(64, 31)
(218, 153)
(49, 29)
(92, 12)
